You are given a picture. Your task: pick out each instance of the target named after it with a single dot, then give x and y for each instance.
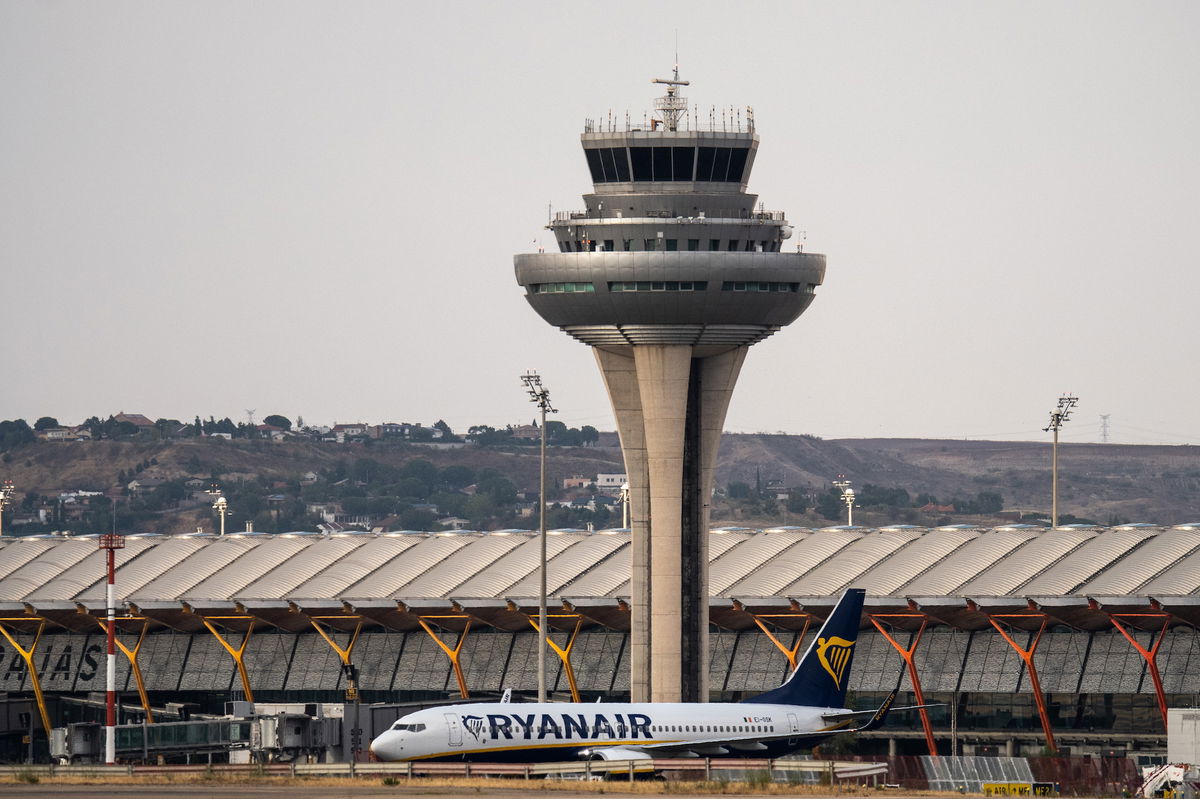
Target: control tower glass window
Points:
(682, 159)
(737, 164)
(594, 165)
(662, 163)
(640, 158)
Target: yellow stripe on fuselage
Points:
(563, 745)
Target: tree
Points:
(588, 435)
(830, 504)
(500, 489)
(414, 519)
(413, 488)
(44, 423)
(989, 502)
(738, 491)
(422, 470)
(797, 501)
(275, 420)
(458, 476)
(14, 433)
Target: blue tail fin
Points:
(821, 675)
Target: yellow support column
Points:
(789, 651)
(236, 654)
(344, 654)
(27, 656)
(132, 656)
(564, 654)
(452, 653)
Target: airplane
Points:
(803, 711)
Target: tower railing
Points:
(709, 215)
(714, 119)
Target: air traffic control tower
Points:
(669, 275)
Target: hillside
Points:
(1107, 483)
(1159, 484)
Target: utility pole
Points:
(1060, 414)
(540, 395)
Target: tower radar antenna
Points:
(670, 105)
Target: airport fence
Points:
(992, 775)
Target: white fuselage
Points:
(558, 731)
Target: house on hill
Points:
(145, 484)
(341, 432)
(271, 431)
(136, 419)
(526, 431)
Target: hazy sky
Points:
(311, 208)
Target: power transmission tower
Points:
(1104, 428)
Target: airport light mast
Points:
(670, 274)
(540, 395)
(221, 505)
(110, 543)
(6, 494)
(1060, 414)
(843, 485)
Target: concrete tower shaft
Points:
(670, 274)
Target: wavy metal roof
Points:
(1085, 562)
(781, 572)
(912, 559)
(1023, 564)
(896, 562)
(1157, 555)
(838, 573)
(749, 552)
(949, 574)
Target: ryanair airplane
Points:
(801, 713)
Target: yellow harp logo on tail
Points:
(834, 654)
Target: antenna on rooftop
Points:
(669, 105)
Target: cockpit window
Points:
(408, 727)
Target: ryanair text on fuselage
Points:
(802, 712)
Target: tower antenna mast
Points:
(670, 105)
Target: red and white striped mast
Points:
(111, 543)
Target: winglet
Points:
(877, 720)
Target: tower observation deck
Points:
(670, 274)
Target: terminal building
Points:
(1074, 639)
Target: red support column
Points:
(110, 544)
(1027, 657)
(1149, 655)
(907, 654)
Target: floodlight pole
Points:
(1057, 416)
(6, 493)
(540, 395)
(111, 543)
(843, 485)
(221, 505)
